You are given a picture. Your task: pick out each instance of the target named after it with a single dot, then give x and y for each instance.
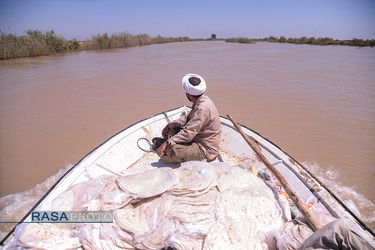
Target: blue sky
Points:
(81, 19)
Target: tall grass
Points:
(38, 43)
(34, 43)
(125, 39)
(239, 40)
(304, 40)
(117, 40)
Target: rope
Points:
(145, 150)
(149, 143)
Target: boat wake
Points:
(351, 197)
(13, 207)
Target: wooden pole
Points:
(314, 224)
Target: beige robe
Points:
(201, 125)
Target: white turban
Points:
(191, 89)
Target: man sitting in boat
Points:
(195, 136)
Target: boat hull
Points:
(123, 154)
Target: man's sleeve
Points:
(190, 130)
(178, 122)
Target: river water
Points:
(317, 103)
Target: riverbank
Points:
(39, 43)
(304, 40)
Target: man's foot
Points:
(157, 141)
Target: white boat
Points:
(126, 153)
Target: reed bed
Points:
(125, 39)
(117, 40)
(34, 43)
(304, 40)
(38, 43)
(240, 40)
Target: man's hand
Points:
(162, 148)
(165, 130)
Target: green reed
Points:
(38, 43)
(240, 40)
(117, 40)
(125, 39)
(305, 40)
(34, 43)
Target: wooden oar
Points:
(314, 224)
